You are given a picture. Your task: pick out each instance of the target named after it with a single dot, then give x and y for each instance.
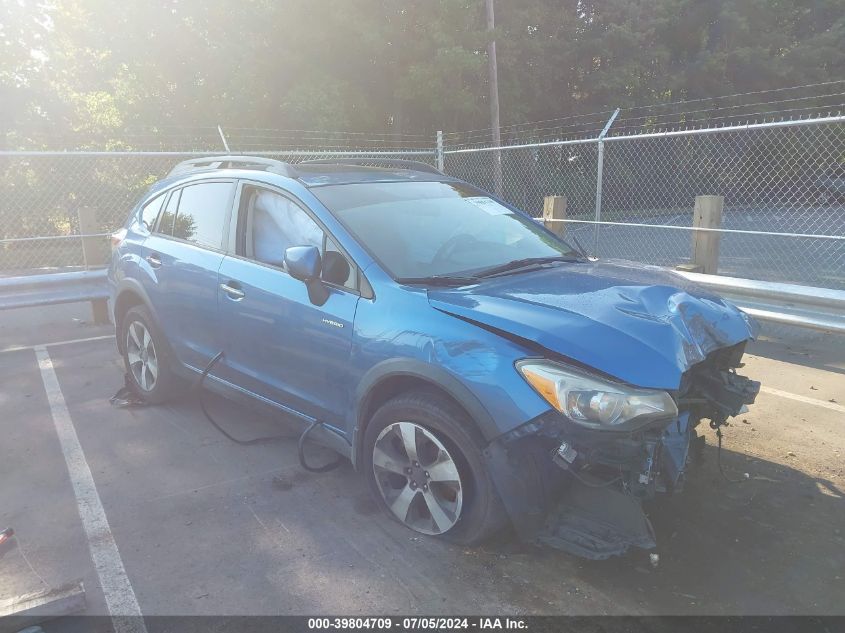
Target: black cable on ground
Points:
(263, 440)
(301, 448)
(719, 460)
(201, 392)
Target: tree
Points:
(94, 70)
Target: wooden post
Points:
(554, 212)
(100, 311)
(94, 254)
(94, 249)
(705, 244)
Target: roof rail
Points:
(233, 162)
(376, 162)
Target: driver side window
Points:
(274, 223)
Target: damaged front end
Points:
(571, 480)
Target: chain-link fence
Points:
(530, 173)
(783, 184)
(50, 201)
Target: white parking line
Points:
(18, 348)
(794, 396)
(120, 598)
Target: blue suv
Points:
(473, 366)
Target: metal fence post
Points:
(441, 162)
(599, 175)
(223, 138)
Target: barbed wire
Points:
(745, 119)
(668, 104)
(651, 116)
(721, 110)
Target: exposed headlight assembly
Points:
(592, 401)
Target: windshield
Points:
(421, 229)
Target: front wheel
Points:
(424, 464)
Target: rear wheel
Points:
(146, 356)
(424, 464)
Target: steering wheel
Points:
(450, 246)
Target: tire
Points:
(147, 363)
(471, 506)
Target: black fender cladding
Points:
(549, 506)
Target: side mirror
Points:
(304, 263)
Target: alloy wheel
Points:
(418, 478)
(141, 352)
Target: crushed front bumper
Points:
(581, 490)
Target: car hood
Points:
(642, 325)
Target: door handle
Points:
(153, 260)
(236, 294)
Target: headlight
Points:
(594, 402)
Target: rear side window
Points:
(149, 214)
(201, 214)
(165, 225)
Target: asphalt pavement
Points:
(153, 508)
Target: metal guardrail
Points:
(28, 291)
(787, 304)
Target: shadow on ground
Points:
(770, 545)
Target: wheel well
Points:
(393, 386)
(124, 302)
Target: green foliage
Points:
(78, 72)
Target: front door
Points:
(277, 343)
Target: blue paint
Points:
(641, 325)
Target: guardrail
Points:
(788, 304)
(29, 291)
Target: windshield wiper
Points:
(528, 262)
(439, 280)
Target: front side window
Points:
(336, 268)
(201, 215)
(274, 223)
(421, 229)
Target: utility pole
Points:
(493, 74)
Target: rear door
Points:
(277, 343)
(182, 256)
